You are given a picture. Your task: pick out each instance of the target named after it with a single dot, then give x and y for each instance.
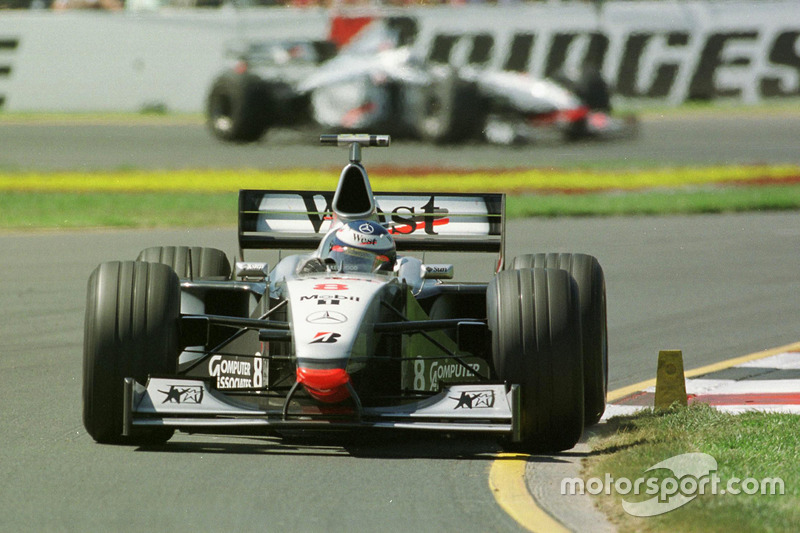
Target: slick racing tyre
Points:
(593, 90)
(594, 330)
(534, 320)
(237, 108)
(190, 262)
(589, 86)
(447, 110)
(131, 329)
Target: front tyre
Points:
(534, 320)
(237, 108)
(594, 330)
(131, 329)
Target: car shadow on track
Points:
(359, 445)
(367, 445)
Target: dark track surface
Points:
(679, 141)
(714, 286)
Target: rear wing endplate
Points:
(273, 219)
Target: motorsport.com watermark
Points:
(694, 474)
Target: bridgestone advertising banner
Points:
(654, 50)
(667, 52)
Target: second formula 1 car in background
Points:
(379, 81)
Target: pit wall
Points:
(665, 52)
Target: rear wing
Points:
(417, 221)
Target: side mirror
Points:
(440, 271)
(253, 271)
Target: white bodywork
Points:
(329, 313)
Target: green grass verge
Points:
(673, 201)
(37, 210)
(134, 198)
(751, 445)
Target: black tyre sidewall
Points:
(591, 285)
(246, 100)
(594, 329)
(593, 90)
(456, 115)
(131, 329)
(534, 321)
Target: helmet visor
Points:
(352, 259)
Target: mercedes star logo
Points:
(326, 317)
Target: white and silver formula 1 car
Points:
(382, 80)
(351, 330)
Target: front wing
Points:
(190, 404)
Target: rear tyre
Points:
(589, 86)
(131, 329)
(190, 262)
(237, 108)
(593, 90)
(594, 330)
(534, 321)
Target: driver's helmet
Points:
(360, 246)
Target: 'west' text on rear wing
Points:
(272, 219)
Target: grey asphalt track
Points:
(672, 140)
(714, 286)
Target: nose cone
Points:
(328, 385)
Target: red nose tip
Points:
(327, 385)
